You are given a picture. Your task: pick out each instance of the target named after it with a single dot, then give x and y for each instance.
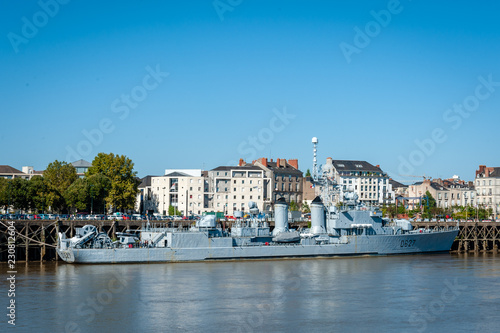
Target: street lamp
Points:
(91, 198)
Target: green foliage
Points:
(305, 208)
(18, 188)
(293, 206)
(389, 210)
(173, 211)
(89, 193)
(99, 187)
(78, 195)
(120, 171)
(60, 175)
(308, 173)
(431, 200)
(38, 194)
(4, 193)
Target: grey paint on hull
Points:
(356, 245)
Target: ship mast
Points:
(327, 185)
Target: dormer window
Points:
(358, 165)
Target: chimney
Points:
(294, 163)
(481, 170)
(378, 166)
(329, 161)
(283, 162)
(242, 162)
(278, 162)
(264, 161)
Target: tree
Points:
(120, 171)
(77, 196)
(60, 175)
(17, 189)
(308, 173)
(293, 206)
(173, 211)
(99, 187)
(305, 208)
(89, 193)
(4, 193)
(429, 205)
(38, 193)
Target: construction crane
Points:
(423, 176)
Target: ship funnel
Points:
(280, 216)
(317, 217)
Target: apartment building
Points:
(286, 180)
(369, 182)
(184, 189)
(487, 183)
(232, 187)
(447, 193)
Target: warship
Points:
(351, 229)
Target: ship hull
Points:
(355, 246)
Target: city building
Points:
(397, 188)
(145, 203)
(487, 183)
(308, 190)
(81, 167)
(184, 189)
(369, 182)
(286, 180)
(448, 193)
(231, 188)
(6, 171)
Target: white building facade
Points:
(369, 182)
(487, 183)
(184, 191)
(233, 187)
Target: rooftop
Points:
(8, 169)
(345, 165)
(81, 164)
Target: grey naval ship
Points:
(348, 230)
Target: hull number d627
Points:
(407, 243)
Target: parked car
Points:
(116, 216)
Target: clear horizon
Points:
(410, 86)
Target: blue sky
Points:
(198, 84)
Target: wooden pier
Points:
(36, 240)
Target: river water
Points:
(417, 293)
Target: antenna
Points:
(315, 161)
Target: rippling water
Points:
(420, 293)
